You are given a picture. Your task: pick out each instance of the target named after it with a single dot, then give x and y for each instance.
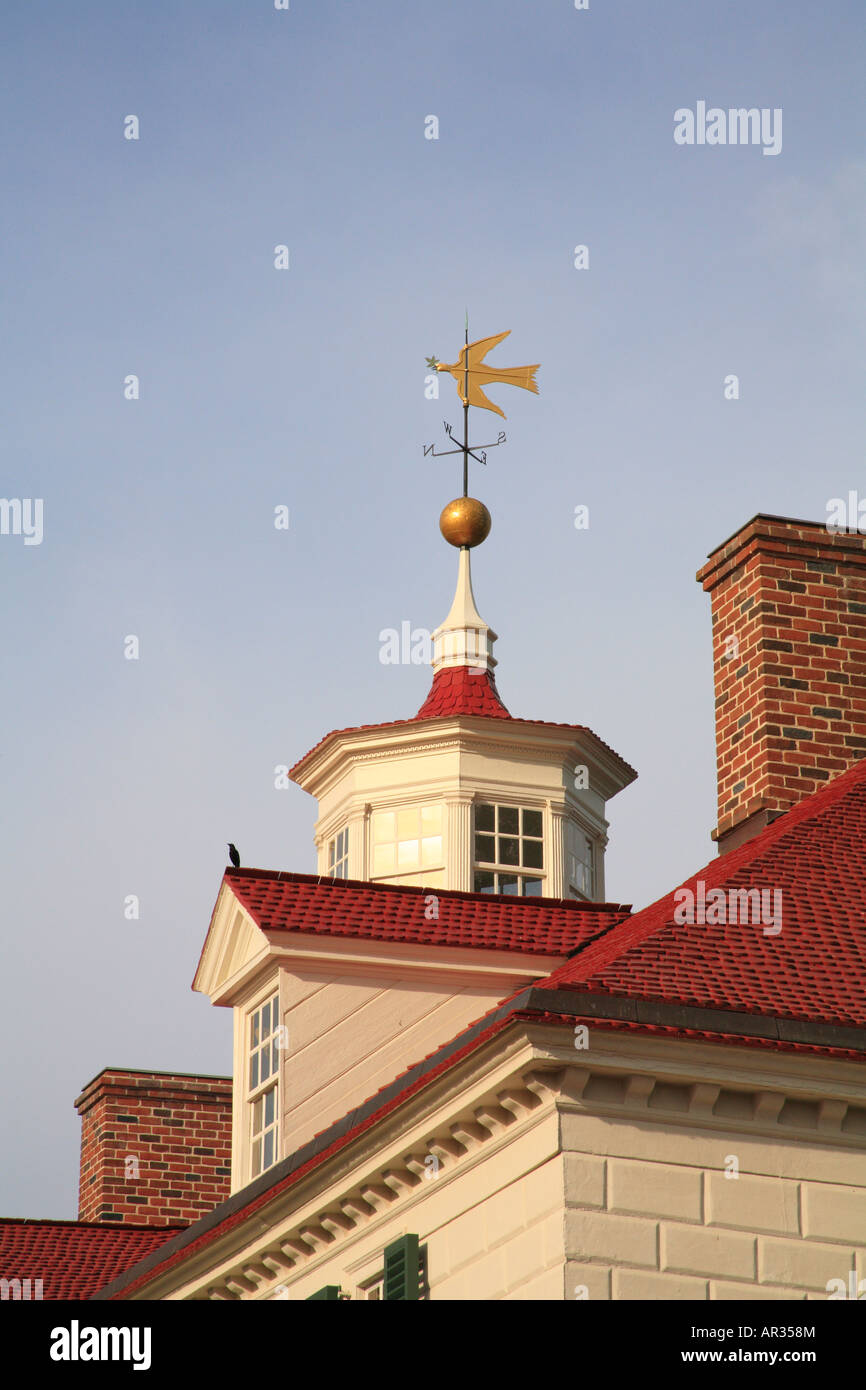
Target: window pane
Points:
(257, 1157)
(431, 849)
(407, 853)
(254, 1037)
(384, 827)
(509, 850)
(274, 1056)
(265, 1055)
(257, 1116)
(532, 887)
(407, 823)
(484, 883)
(431, 820)
(509, 820)
(331, 855)
(269, 1107)
(484, 850)
(254, 1071)
(532, 823)
(533, 854)
(269, 1149)
(484, 818)
(266, 1019)
(383, 859)
(508, 884)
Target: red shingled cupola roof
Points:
(463, 690)
(457, 692)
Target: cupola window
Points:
(581, 876)
(407, 839)
(338, 855)
(509, 850)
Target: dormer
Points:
(337, 987)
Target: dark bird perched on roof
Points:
(234, 856)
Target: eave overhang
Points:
(564, 744)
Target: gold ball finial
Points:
(465, 522)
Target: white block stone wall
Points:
(670, 1224)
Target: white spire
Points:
(464, 639)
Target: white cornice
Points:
(517, 740)
(521, 1078)
(455, 966)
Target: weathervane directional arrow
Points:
(471, 373)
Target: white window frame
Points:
(584, 894)
(372, 1289)
(522, 873)
(259, 1047)
(338, 854)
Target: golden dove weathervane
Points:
(465, 522)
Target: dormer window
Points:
(509, 850)
(263, 1077)
(338, 855)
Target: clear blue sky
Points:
(306, 387)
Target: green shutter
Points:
(402, 1281)
(331, 1292)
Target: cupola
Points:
(463, 795)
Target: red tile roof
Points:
(462, 690)
(814, 968)
(392, 912)
(812, 971)
(74, 1258)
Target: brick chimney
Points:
(789, 656)
(155, 1148)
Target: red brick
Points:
(164, 1107)
(753, 565)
